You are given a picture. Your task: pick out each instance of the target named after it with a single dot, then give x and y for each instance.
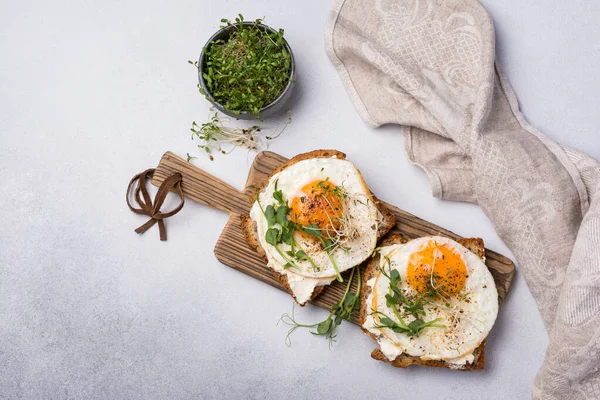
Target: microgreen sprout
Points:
(216, 136)
(402, 307)
(190, 158)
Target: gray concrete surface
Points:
(93, 92)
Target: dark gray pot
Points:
(276, 106)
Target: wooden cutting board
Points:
(233, 250)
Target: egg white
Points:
(364, 213)
(468, 316)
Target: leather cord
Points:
(147, 207)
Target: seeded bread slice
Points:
(387, 218)
(404, 360)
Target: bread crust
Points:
(475, 245)
(388, 220)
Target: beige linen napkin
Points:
(430, 66)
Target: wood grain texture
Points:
(233, 250)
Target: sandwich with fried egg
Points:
(430, 301)
(313, 219)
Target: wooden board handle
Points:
(201, 186)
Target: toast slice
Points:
(475, 245)
(386, 222)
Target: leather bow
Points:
(147, 207)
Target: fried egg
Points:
(330, 196)
(456, 289)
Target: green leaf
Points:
(395, 275)
(189, 158)
(324, 327)
(287, 236)
(390, 301)
(270, 215)
(399, 329)
(278, 195)
(400, 298)
(313, 230)
(301, 255)
(337, 321)
(387, 321)
(273, 236)
(416, 308)
(415, 325)
(337, 307)
(349, 302)
(281, 215)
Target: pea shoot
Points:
(398, 302)
(281, 230)
(342, 310)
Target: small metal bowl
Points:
(276, 106)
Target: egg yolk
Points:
(436, 267)
(320, 205)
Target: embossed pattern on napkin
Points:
(430, 66)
